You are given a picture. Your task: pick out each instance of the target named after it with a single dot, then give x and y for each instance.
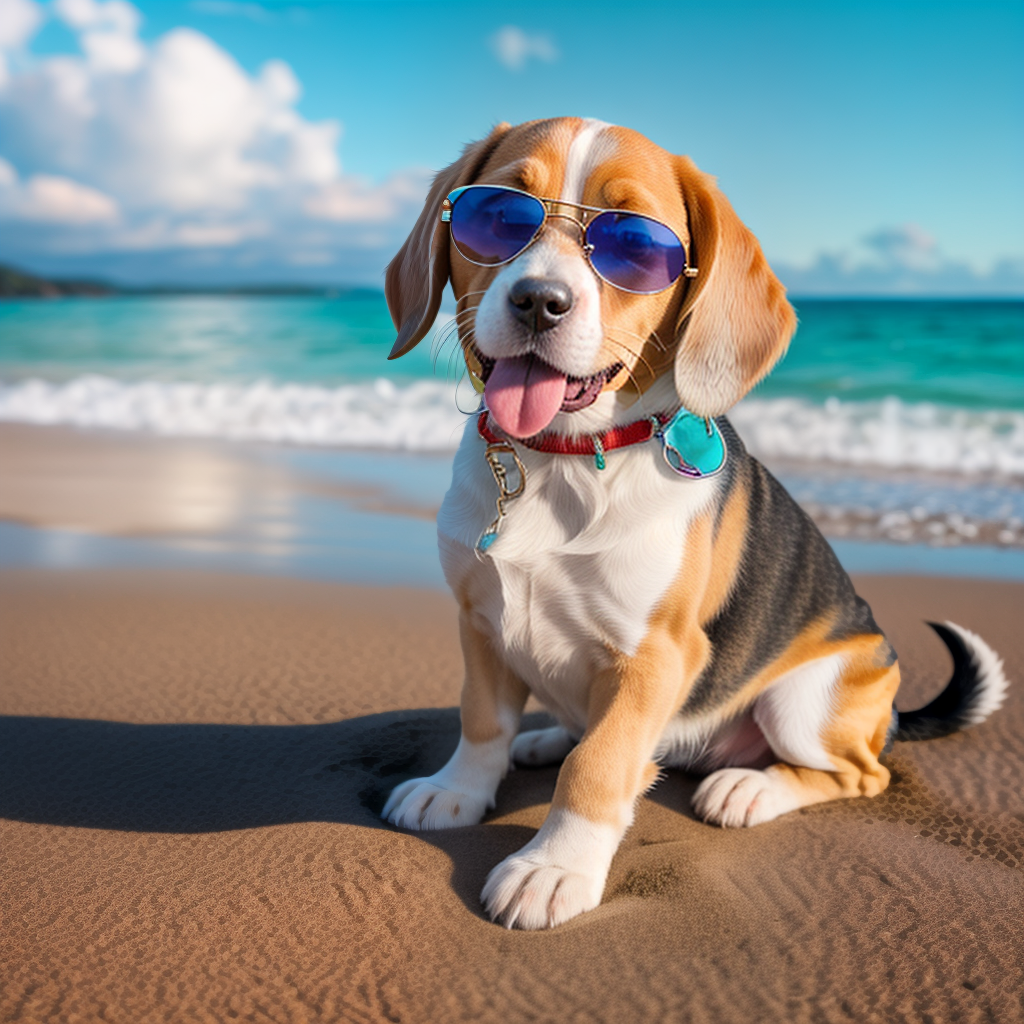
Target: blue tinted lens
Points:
(634, 252)
(491, 225)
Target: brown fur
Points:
(488, 687)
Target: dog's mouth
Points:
(524, 393)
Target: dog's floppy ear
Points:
(417, 275)
(735, 322)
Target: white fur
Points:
(704, 742)
(793, 712)
(542, 746)
(990, 668)
(574, 344)
(792, 715)
(788, 719)
(462, 791)
(737, 797)
(582, 559)
(558, 874)
(589, 148)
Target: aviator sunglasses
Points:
(493, 224)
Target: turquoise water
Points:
(205, 339)
(963, 354)
(891, 421)
(927, 385)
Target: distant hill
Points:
(16, 284)
(19, 284)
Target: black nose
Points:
(540, 302)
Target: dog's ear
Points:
(735, 322)
(417, 275)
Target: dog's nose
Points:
(540, 302)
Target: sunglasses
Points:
(493, 224)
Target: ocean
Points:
(900, 422)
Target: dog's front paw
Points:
(735, 797)
(525, 892)
(422, 804)
(542, 746)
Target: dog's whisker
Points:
(451, 340)
(455, 352)
(441, 335)
(653, 336)
(441, 338)
(458, 384)
(636, 355)
(641, 401)
(454, 322)
(464, 336)
(457, 324)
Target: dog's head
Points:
(554, 334)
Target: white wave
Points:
(888, 434)
(378, 414)
(423, 416)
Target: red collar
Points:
(584, 444)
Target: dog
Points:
(613, 548)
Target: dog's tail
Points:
(977, 688)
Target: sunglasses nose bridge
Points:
(581, 227)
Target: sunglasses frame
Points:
(552, 209)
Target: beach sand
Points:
(192, 768)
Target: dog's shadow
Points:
(212, 778)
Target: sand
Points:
(192, 767)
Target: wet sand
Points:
(139, 485)
(192, 767)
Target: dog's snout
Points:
(540, 302)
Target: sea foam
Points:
(887, 434)
(423, 416)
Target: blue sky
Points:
(873, 147)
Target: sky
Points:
(873, 147)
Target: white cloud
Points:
(903, 260)
(108, 32)
(514, 47)
(135, 146)
(19, 20)
(350, 200)
(113, 15)
(47, 198)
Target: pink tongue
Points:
(524, 394)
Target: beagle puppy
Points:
(613, 548)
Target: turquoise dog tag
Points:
(693, 446)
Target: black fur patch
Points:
(951, 710)
(788, 577)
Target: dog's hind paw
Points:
(539, 747)
(737, 797)
(421, 804)
(523, 892)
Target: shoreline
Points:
(86, 498)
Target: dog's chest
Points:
(582, 559)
